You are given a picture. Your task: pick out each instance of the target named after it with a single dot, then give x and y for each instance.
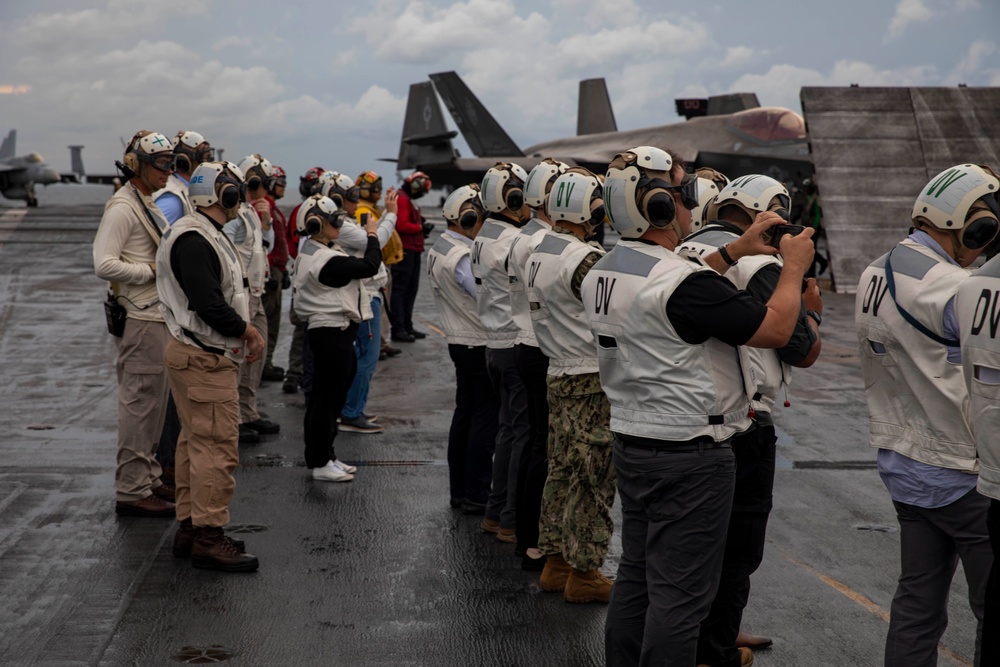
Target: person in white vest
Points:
(975, 304)
(205, 303)
(474, 424)
(666, 328)
(502, 194)
(252, 234)
(766, 374)
(911, 359)
(710, 183)
(190, 150)
(125, 255)
(329, 294)
(531, 364)
(579, 491)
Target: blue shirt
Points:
(170, 204)
(913, 482)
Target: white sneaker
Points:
(343, 467)
(331, 473)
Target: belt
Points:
(698, 444)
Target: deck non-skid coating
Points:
(378, 571)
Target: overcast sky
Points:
(310, 83)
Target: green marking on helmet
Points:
(609, 193)
(159, 140)
(944, 181)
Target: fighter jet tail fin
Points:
(481, 131)
(426, 138)
(594, 113)
(8, 146)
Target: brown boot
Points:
(508, 535)
(150, 506)
(554, 574)
(165, 492)
(490, 525)
(184, 539)
(753, 642)
(590, 586)
(212, 550)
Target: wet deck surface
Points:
(379, 571)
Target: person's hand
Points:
(271, 285)
(798, 251)
(152, 265)
(811, 296)
(254, 341)
(263, 210)
(371, 227)
(286, 280)
(752, 241)
(391, 200)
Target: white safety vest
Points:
(249, 241)
(560, 324)
(978, 310)
(517, 258)
(456, 307)
(319, 304)
(184, 323)
(917, 400)
(489, 259)
(659, 386)
(764, 373)
(177, 187)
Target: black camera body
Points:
(781, 230)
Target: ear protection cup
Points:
(313, 224)
(514, 198)
(658, 207)
(338, 199)
(131, 161)
(182, 163)
(229, 196)
(980, 228)
(254, 183)
(469, 219)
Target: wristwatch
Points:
(816, 316)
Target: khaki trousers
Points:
(250, 372)
(204, 389)
(142, 406)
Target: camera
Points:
(780, 230)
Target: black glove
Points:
(286, 280)
(427, 228)
(271, 285)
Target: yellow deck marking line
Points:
(865, 602)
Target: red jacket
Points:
(278, 257)
(292, 236)
(408, 220)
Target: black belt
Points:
(698, 444)
(207, 348)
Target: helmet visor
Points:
(162, 161)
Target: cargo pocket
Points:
(214, 412)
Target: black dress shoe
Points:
(391, 351)
(265, 426)
(456, 503)
(403, 337)
(273, 374)
(470, 508)
(248, 436)
(419, 335)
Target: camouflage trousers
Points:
(580, 488)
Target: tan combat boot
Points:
(590, 586)
(554, 574)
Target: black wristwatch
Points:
(816, 316)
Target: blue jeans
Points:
(366, 346)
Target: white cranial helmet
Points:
(753, 194)
(257, 166)
(629, 174)
(577, 197)
(313, 211)
(540, 180)
(216, 182)
(455, 209)
(503, 187)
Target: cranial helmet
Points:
(503, 187)
(257, 170)
(191, 149)
(308, 183)
(369, 185)
(962, 199)
(540, 180)
(314, 211)
(638, 192)
(464, 207)
(578, 197)
(752, 194)
(339, 188)
(149, 147)
(217, 183)
(417, 184)
(710, 183)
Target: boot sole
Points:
(553, 589)
(205, 564)
(585, 600)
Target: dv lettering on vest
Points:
(986, 313)
(874, 294)
(605, 286)
(532, 273)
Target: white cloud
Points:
(978, 55)
(738, 56)
(907, 12)
(595, 13)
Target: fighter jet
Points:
(19, 175)
(731, 133)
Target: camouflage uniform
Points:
(580, 489)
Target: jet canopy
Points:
(769, 124)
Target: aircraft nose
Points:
(50, 176)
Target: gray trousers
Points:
(513, 434)
(675, 512)
(931, 541)
(251, 371)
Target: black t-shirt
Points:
(706, 305)
(197, 269)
